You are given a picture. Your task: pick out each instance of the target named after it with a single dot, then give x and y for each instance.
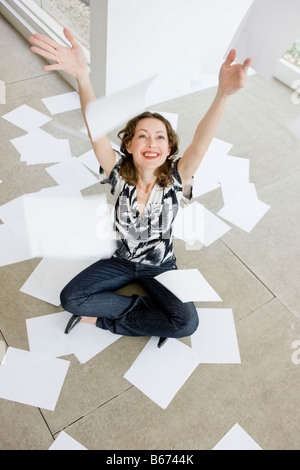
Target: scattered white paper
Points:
(171, 117)
(189, 223)
(244, 211)
(51, 276)
(74, 172)
(86, 341)
(69, 228)
(27, 118)
(269, 28)
(46, 336)
(39, 147)
(159, 373)
(66, 442)
(32, 380)
(107, 113)
(215, 341)
(12, 214)
(195, 222)
(89, 160)
(14, 249)
(62, 103)
(188, 285)
(237, 439)
(204, 184)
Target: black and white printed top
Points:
(145, 238)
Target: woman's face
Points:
(150, 144)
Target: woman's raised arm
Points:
(232, 78)
(72, 60)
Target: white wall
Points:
(183, 41)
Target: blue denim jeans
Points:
(160, 313)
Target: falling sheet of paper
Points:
(12, 214)
(51, 276)
(69, 228)
(66, 442)
(46, 336)
(62, 103)
(39, 147)
(244, 211)
(215, 341)
(230, 191)
(171, 117)
(27, 118)
(204, 184)
(89, 160)
(189, 223)
(74, 172)
(269, 29)
(188, 285)
(16, 249)
(160, 373)
(107, 113)
(195, 222)
(32, 380)
(237, 439)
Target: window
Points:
(73, 14)
(293, 54)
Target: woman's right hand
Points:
(71, 60)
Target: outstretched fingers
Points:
(45, 54)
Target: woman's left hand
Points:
(233, 77)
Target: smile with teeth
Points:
(151, 154)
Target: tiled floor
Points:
(256, 274)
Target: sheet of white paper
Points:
(62, 103)
(39, 147)
(32, 380)
(244, 211)
(66, 442)
(189, 223)
(269, 28)
(215, 341)
(195, 222)
(230, 191)
(51, 276)
(74, 172)
(160, 373)
(188, 285)
(14, 249)
(107, 113)
(171, 117)
(203, 184)
(46, 336)
(27, 118)
(86, 341)
(237, 439)
(69, 228)
(89, 160)
(12, 214)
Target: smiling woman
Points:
(147, 183)
(128, 170)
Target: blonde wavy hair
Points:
(127, 168)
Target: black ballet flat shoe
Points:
(71, 323)
(161, 342)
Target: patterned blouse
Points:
(145, 238)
